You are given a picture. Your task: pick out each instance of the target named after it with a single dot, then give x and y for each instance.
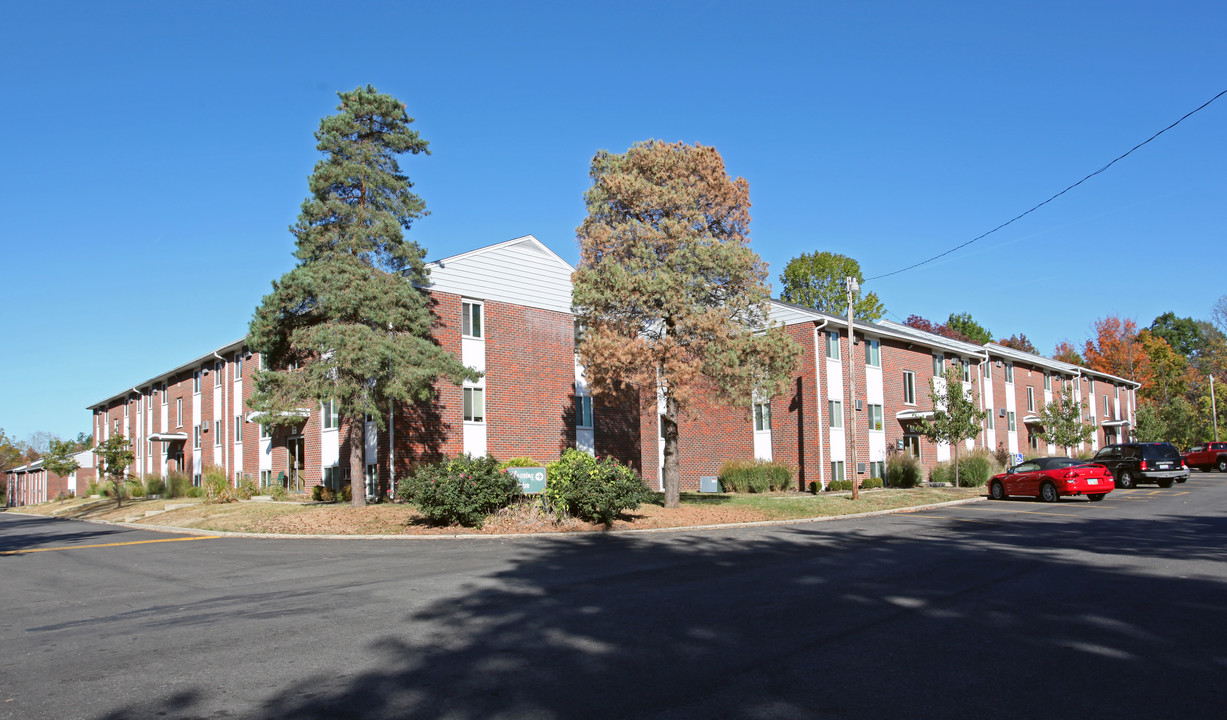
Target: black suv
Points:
(1132, 463)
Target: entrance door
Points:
(295, 462)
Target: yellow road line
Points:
(949, 517)
(1029, 512)
(102, 545)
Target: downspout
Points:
(822, 455)
(983, 407)
(392, 447)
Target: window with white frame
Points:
(1009, 373)
(196, 382)
(911, 445)
(833, 344)
(238, 366)
(836, 409)
(989, 418)
(583, 411)
(1047, 382)
(474, 405)
(939, 362)
(165, 395)
(909, 387)
(873, 353)
(217, 431)
(266, 478)
(988, 369)
(762, 416)
(877, 469)
(875, 417)
(178, 412)
(266, 431)
(1105, 405)
(470, 319)
(1033, 441)
(837, 470)
(331, 418)
(219, 367)
(966, 370)
(238, 429)
(196, 436)
(1030, 399)
(1010, 421)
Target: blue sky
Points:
(156, 153)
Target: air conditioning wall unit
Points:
(1001, 412)
(204, 426)
(858, 404)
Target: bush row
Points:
(754, 476)
(975, 468)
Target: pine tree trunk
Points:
(672, 471)
(356, 439)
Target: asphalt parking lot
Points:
(1016, 608)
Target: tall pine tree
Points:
(349, 323)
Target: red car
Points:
(1051, 477)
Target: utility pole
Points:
(852, 287)
(1213, 409)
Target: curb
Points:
(510, 536)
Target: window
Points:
(938, 362)
(837, 470)
(196, 436)
(332, 420)
(196, 480)
(966, 370)
(165, 397)
(1105, 405)
(836, 409)
(1030, 398)
(833, 344)
(762, 416)
(266, 478)
(873, 353)
(116, 424)
(474, 405)
(877, 469)
(988, 369)
(1009, 373)
(875, 418)
(1047, 382)
(266, 431)
(583, 411)
(126, 411)
(909, 387)
(238, 366)
(470, 320)
(238, 429)
(178, 412)
(1010, 421)
(989, 418)
(219, 367)
(217, 431)
(196, 382)
(911, 445)
(1033, 441)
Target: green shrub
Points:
(323, 493)
(217, 486)
(463, 490)
(178, 485)
(346, 493)
(278, 492)
(593, 489)
(815, 487)
(942, 473)
(975, 468)
(839, 485)
(871, 483)
(194, 491)
(755, 476)
(522, 461)
(903, 471)
(134, 489)
(93, 488)
(247, 488)
(155, 485)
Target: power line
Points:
(1054, 197)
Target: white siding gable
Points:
(522, 271)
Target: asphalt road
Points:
(1011, 609)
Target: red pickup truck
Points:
(1207, 456)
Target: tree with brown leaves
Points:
(676, 303)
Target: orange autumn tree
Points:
(674, 300)
(1117, 350)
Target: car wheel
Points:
(1164, 483)
(1125, 480)
(1222, 464)
(1048, 493)
(997, 491)
(1096, 497)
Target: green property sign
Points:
(532, 479)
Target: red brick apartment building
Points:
(32, 483)
(505, 310)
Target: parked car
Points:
(1051, 477)
(1207, 456)
(1132, 463)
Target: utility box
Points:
(709, 483)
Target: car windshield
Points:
(1056, 463)
(1162, 451)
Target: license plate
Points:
(1165, 466)
(1092, 481)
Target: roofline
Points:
(441, 262)
(162, 376)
